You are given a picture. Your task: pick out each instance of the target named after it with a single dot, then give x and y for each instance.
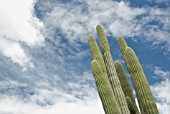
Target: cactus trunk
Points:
(125, 84)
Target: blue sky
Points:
(45, 63)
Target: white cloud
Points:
(159, 72)
(163, 108)
(13, 105)
(79, 98)
(159, 1)
(161, 93)
(14, 51)
(76, 22)
(18, 24)
(71, 96)
(161, 90)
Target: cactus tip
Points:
(90, 37)
(93, 62)
(120, 38)
(99, 27)
(117, 62)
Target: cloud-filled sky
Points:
(45, 59)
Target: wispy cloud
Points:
(58, 79)
(77, 19)
(18, 24)
(161, 90)
(159, 1)
(12, 105)
(68, 97)
(161, 93)
(159, 72)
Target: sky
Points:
(45, 61)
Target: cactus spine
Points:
(143, 91)
(125, 84)
(106, 95)
(112, 75)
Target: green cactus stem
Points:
(122, 44)
(141, 85)
(96, 54)
(125, 84)
(105, 92)
(111, 72)
(131, 106)
(103, 39)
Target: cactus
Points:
(112, 75)
(141, 85)
(131, 106)
(112, 83)
(125, 84)
(106, 95)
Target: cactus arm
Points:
(122, 44)
(103, 39)
(109, 104)
(141, 85)
(105, 93)
(125, 84)
(144, 95)
(131, 105)
(112, 75)
(96, 52)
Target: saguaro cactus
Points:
(110, 81)
(141, 85)
(112, 75)
(106, 95)
(125, 84)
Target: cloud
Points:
(49, 92)
(14, 51)
(161, 93)
(159, 72)
(75, 20)
(58, 78)
(160, 1)
(69, 97)
(12, 105)
(161, 90)
(18, 24)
